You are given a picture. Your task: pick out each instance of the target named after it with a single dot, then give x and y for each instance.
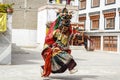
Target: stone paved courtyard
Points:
(91, 66)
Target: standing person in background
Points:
(81, 39)
(56, 54)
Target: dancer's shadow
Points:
(23, 56)
(73, 77)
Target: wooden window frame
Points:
(80, 7)
(111, 27)
(95, 28)
(92, 6)
(97, 42)
(107, 16)
(83, 24)
(82, 19)
(94, 18)
(110, 43)
(110, 3)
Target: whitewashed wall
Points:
(76, 2)
(51, 14)
(23, 37)
(101, 8)
(41, 27)
(1, 1)
(75, 17)
(45, 15)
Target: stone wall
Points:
(25, 13)
(25, 21)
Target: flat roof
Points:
(56, 6)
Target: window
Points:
(82, 22)
(110, 1)
(81, 25)
(95, 3)
(109, 20)
(97, 42)
(110, 43)
(95, 24)
(94, 21)
(74, 25)
(82, 4)
(110, 23)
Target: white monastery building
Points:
(102, 23)
(99, 18)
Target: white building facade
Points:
(102, 23)
(99, 18)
